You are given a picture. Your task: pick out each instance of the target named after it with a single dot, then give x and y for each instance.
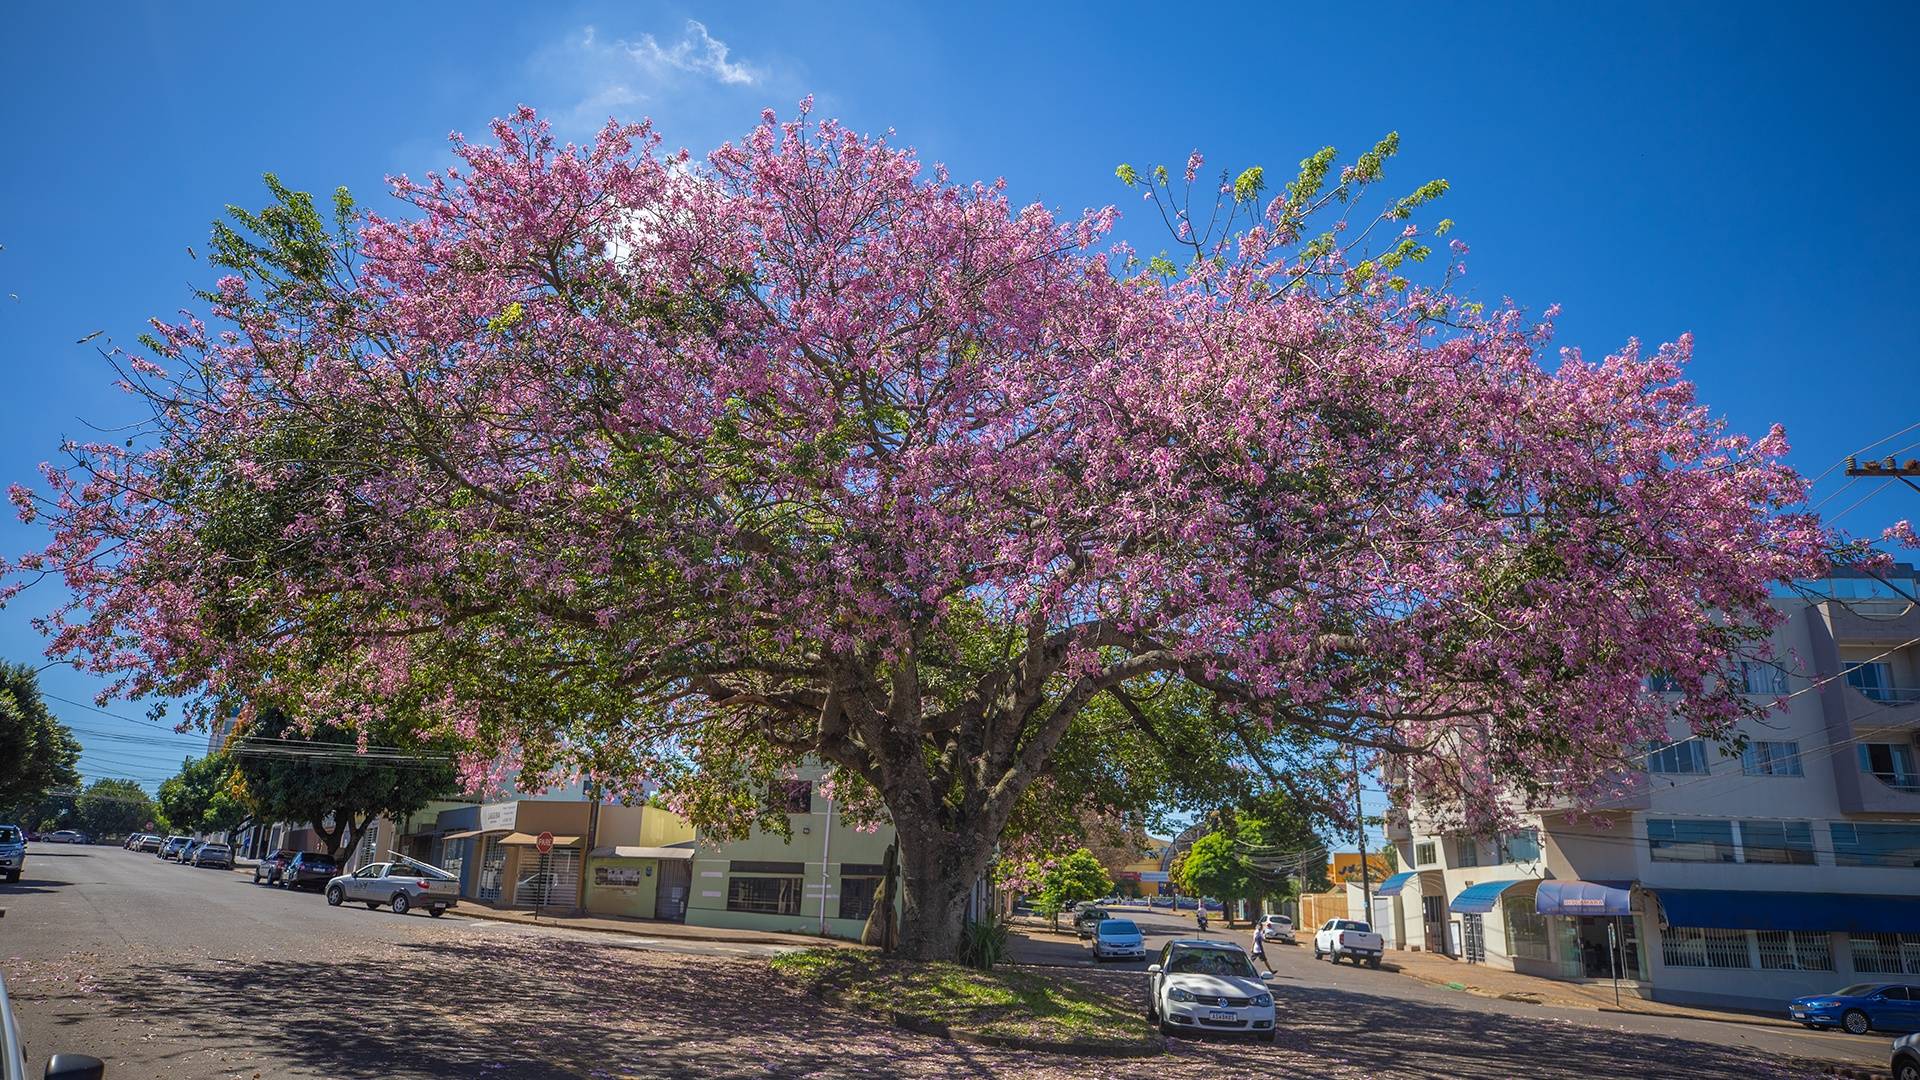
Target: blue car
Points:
(1861, 1008)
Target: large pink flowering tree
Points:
(679, 473)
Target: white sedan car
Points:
(1201, 986)
(1276, 928)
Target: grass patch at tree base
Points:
(1007, 1006)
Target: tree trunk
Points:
(940, 869)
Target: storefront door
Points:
(676, 878)
(1476, 939)
(1600, 956)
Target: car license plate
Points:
(1221, 1014)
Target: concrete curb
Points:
(1155, 1045)
(716, 936)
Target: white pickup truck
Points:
(1348, 938)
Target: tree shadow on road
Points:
(515, 1010)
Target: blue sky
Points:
(1745, 172)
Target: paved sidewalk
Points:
(1514, 986)
(649, 928)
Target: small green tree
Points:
(37, 752)
(113, 807)
(202, 797)
(320, 777)
(1214, 868)
(1068, 879)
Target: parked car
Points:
(68, 836)
(1087, 918)
(149, 842)
(1906, 1058)
(269, 868)
(1118, 939)
(132, 841)
(1861, 1008)
(1276, 928)
(13, 851)
(193, 848)
(13, 1058)
(1348, 939)
(212, 855)
(402, 885)
(173, 847)
(309, 870)
(1200, 986)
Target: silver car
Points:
(219, 855)
(402, 885)
(13, 852)
(13, 1058)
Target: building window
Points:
(1466, 851)
(1526, 928)
(1885, 954)
(1795, 950)
(1861, 844)
(1872, 678)
(1789, 842)
(1425, 853)
(1672, 840)
(1762, 677)
(1771, 759)
(1689, 757)
(858, 884)
(1696, 946)
(1890, 763)
(792, 797)
(772, 889)
(1522, 846)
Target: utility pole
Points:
(1360, 818)
(826, 852)
(593, 831)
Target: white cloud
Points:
(586, 78)
(697, 51)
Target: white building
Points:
(1745, 880)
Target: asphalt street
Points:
(169, 971)
(1299, 977)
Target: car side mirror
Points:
(75, 1067)
(1266, 975)
(1153, 969)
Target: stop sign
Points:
(544, 843)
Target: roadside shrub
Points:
(983, 943)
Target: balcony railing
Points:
(1889, 695)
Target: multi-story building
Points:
(819, 879)
(1738, 879)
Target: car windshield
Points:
(1856, 990)
(9, 834)
(1225, 963)
(1118, 928)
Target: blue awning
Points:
(1584, 898)
(1393, 885)
(1852, 913)
(1479, 899)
